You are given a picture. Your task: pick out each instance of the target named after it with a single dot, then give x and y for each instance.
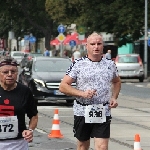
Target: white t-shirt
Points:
(93, 75)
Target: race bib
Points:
(8, 127)
(95, 113)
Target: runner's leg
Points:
(83, 145)
(101, 143)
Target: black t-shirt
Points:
(18, 102)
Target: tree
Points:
(124, 18)
(26, 16)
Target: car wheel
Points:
(141, 79)
(69, 101)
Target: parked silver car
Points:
(130, 66)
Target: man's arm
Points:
(33, 122)
(66, 88)
(28, 134)
(116, 87)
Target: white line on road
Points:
(129, 83)
(139, 85)
(52, 107)
(41, 131)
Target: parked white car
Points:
(130, 66)
(18, 55)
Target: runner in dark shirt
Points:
(16, 100)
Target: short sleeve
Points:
(73, 70)
(115, 70)
(31, 108)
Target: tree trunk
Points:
(47, 40)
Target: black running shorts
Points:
(84, 131)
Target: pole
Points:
(61, 49)
(145, 44)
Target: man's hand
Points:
(28, 135)
(89, 93)
(113, 103)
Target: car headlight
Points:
(39, 82)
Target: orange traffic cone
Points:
(137, 145)
(55, 132)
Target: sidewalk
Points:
(148, 79)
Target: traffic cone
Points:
(137, 145)
(55, 132)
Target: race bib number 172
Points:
(8, 127)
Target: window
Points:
(52, 65)
(128, 59)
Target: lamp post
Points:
(145, 44)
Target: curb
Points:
(148, 85)
(148, 79)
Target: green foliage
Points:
(42, 17)
(65, 11)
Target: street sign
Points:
(72, 43)
(81, 36)
(148, 42)
(61, 29)
(81, 30)
(61, 37)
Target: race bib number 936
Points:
(95, 114)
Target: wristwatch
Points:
(31, 130)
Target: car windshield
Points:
(36, 54)
(51, 65)
(18, 54)
(128, 59)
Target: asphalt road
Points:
(129, 118)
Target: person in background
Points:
(46, 52)
(3, 52)
(108, 54)
(76, 54)
(16, 100)
(7, 52)
(65, 54)
(97, 88)
(14, 49)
